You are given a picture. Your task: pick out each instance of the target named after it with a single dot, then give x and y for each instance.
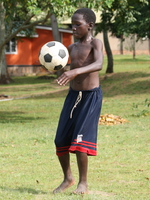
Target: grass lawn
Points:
(121, 171)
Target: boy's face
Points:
(79, 26)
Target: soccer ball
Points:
(53, 56)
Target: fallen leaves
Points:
(110, 119)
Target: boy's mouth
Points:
(75, 33)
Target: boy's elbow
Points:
(100, 66)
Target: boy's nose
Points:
(73, 28)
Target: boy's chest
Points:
(81, 52)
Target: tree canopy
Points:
(124, 17)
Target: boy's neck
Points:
(87, 39)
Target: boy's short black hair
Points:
(88, 14)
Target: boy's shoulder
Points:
(96, 40)
(97, 43)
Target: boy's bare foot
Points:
(81, 189)
(63, 186)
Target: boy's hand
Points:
(66, 77)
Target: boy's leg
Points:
(68, 178)
(82, 161)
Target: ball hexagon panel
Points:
(62, 53)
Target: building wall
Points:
(142, 47)
(26, 60)
(23, 56)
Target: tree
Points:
(119, 19)
(2, 47)
(14, 18)
(22, 15)
(104, 27)
(136, 28)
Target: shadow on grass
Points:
(129, 83)
(112, 85)
(16, 117)
(125, 83)
(23, 190)
(33, 79)
(56, 94)
(116, 84)
(131, 60)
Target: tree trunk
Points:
(134, 51)
(4, 78)
(108, 52)
(121, 45)
(149, 45)
(56, 34)
(55, 30)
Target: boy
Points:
(77, 129)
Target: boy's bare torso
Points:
(82, 55)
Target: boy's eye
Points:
(76, 24)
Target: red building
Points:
(22, 55)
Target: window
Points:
(11, 47)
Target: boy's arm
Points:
(95, 66)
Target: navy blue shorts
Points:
(78, 123)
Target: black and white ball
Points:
(53, 56)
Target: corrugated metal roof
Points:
(50, 28)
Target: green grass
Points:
(121, 171)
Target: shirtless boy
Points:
(78, 123)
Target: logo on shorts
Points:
(79, 138)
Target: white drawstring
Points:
(79, 97)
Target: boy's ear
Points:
(91, 24)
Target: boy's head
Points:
(88, 15)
